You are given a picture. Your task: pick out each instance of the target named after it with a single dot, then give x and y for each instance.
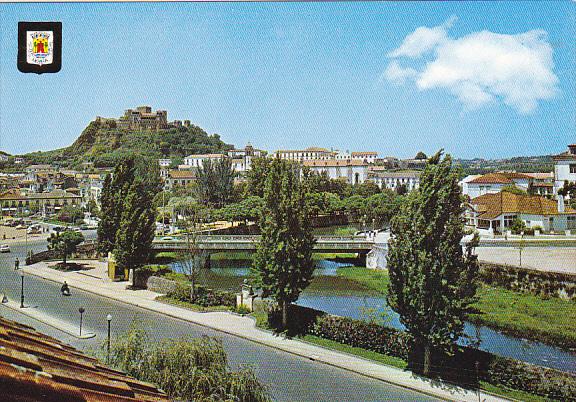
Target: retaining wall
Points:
(541, 283)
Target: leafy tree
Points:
(354, 206)
(70, 213)
(420, 155)
(514, 190)
(65, 243)
(256, 177)
(114, 192)
(569, 190)
(432, 280)
(191, 259)
(283, 262)
(381, 207)
(193, 369)
(366, 189)
(216, 181)
(136, 231)
(401, 189)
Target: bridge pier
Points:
(376, 258)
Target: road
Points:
(290, 378)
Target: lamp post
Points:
(81, 311)
(22, 290)
(109, 319)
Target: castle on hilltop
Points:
(143, 118)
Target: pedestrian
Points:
(65, 289)
(16, 264)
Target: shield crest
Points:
(40, 47)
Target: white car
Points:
(4, 248)
(167, 238)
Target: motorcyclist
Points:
(65, 289)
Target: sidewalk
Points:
(95, 281)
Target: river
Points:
(337, 295)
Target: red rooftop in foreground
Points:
(36, 367)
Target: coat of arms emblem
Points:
(40, 47)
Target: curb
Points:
(53, 322)
(277, 347)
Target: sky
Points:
(479, 79)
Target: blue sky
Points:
(351, 76)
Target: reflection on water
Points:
(337, 295)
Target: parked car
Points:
(4, 248)
(167, 238)
(21, 226)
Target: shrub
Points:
(459, 367)
(362, 334)
(300, 319)
(186, 369)
(202, 296)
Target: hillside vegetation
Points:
(103, 144)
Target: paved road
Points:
(290, 378)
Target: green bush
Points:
(186, 369)
(460, 367)
(362, 334)
(202, 296)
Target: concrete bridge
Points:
(223, 243)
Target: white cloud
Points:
(481, 67)
(423, 39)
(396, 73)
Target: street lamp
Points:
(81, 311)
(22, 290)
(109, 319)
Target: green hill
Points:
(104, 144)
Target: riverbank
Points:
(551, 321)
(261, 318)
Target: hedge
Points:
(466, 366)
(203, 297)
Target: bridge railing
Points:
(252, 238)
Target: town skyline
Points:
(368, 83)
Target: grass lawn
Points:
(550, 320)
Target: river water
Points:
(337, 295)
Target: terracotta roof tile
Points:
(493, 205)
(34, 366)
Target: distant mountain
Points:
(543, 163)
(104, 144)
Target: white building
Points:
(308, 154)
(492, 183)
(394, 179)
(196, 161)
(497, 212)
(353, 171)
(368, 156)
(165, 162)
(564, 168)
(242, 158)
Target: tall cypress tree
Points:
(136, 230)
(283, 261)
(432, 279)
(114, 192)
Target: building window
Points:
(573, 168)
(508, 220)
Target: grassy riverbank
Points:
(262, 322)
(552, 320)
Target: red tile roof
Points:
(491, 206)
(35, 367)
